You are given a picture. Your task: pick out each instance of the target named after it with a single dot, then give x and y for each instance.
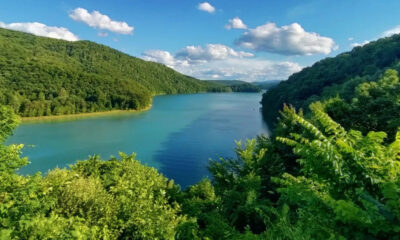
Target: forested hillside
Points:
(311, 179)
(333, 76)
(332, 172)
(42, 76)
(234, 86)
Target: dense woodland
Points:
(332, 172)
(333, 76)
(42, 76)
(233, 86)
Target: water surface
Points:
(178, 135)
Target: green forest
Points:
(329, 170)
(232, 86)
(43, 77)
(333, 77)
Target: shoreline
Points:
(78, 116)
(67, 117)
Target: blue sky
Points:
(251, 40)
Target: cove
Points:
(178, 135)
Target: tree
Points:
(348, 180)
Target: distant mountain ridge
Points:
(42, 76)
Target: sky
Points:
(250, 40)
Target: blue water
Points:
(178, 135)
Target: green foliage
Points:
(332, 76)
(9, 156)
(232, 204)
(245, 87)
(375, 106)
(201, 203)
(95, 199)
(338, 185)
(333, 173)
(344, 177)
(42, 76)
(232, 86)
(8, 122)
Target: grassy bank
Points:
(69, 117)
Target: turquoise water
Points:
(178, 135)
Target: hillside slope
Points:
(233, 86)
(332, 76)
(42, 76)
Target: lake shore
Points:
(77, 116)
(68, 117)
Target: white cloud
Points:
(226, 64)
(97, 20)
(359, 44)
(40, 29)
(287, 40)
(242, 69)
(390, 32)
(207, 7)
(235, 23)
(191, 55)
(160, 56)
(102, 34)
(350, 39)
(210, 52)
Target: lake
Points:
(178, 135)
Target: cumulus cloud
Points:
(160, 56)
(287, 40)
(194, 55)
(242, 69)
(390, 32)
(40, 29)
(207, 7)
(97, 20)
(216, 61)
(235, 23)
(210, 52)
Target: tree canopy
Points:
(330, 172)
(42, 76)
(332, 76)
